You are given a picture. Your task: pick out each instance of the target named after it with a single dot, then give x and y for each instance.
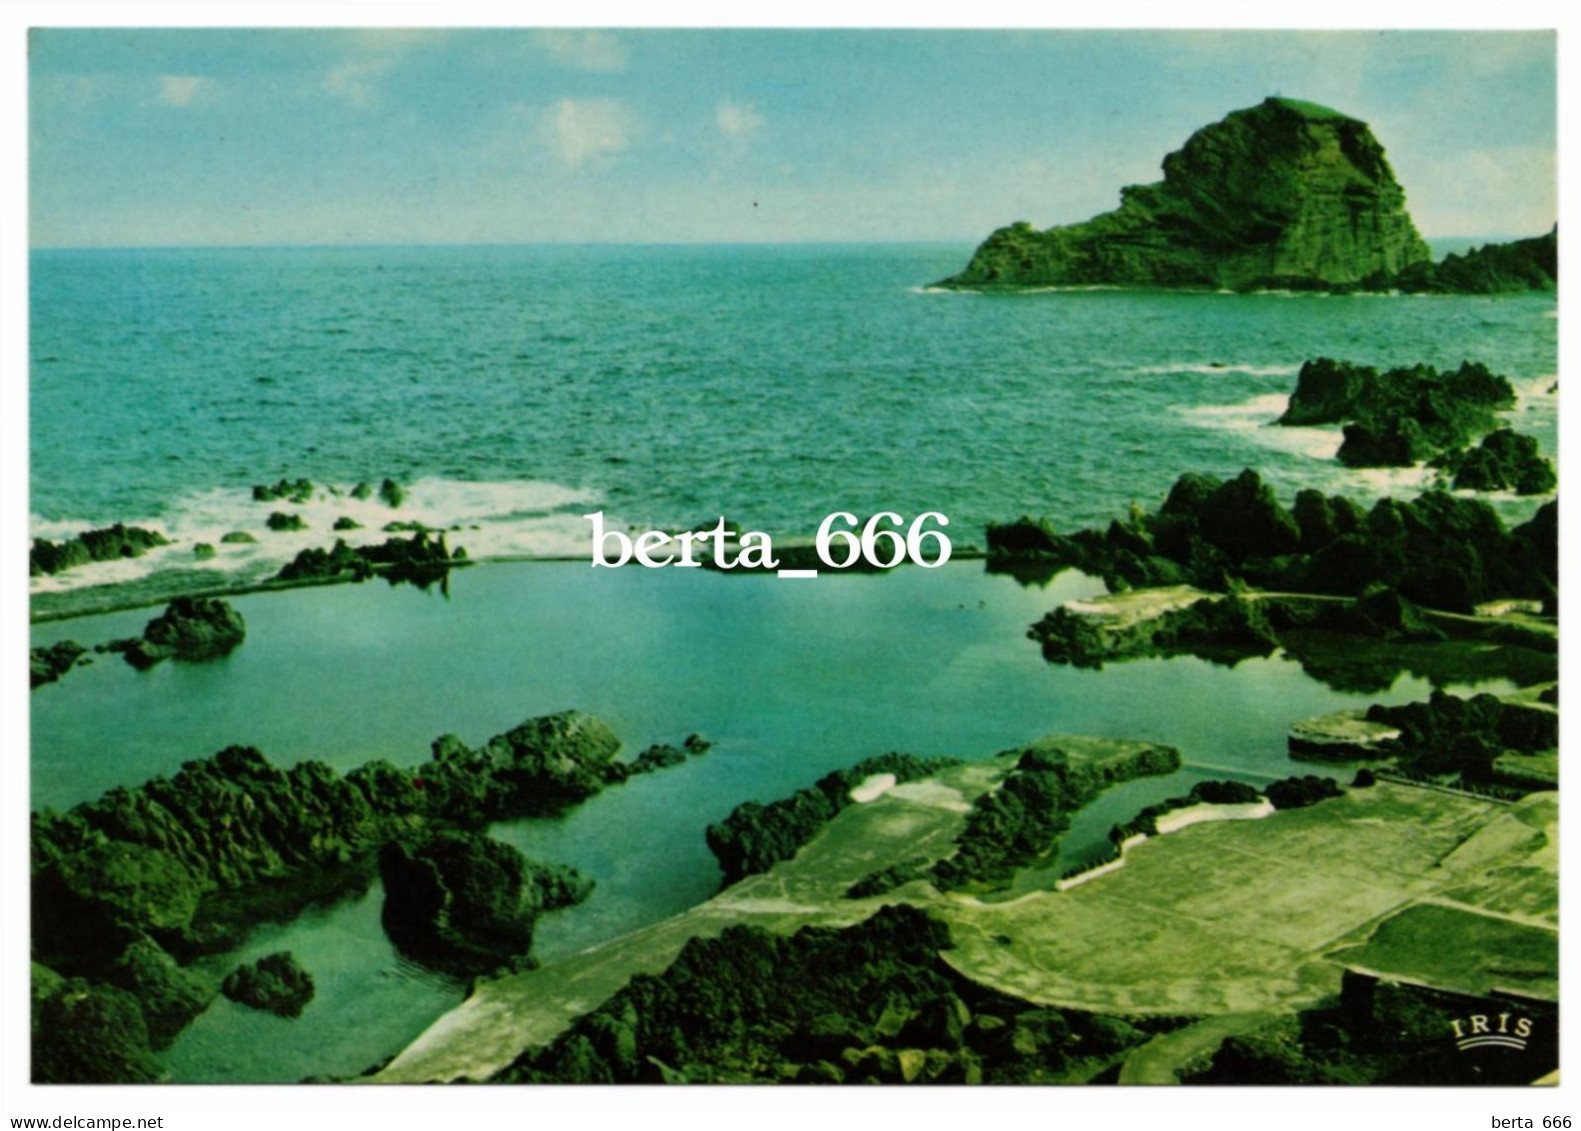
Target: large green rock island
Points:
(1283, 194)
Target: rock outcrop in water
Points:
(276, 983)
(1504, 461)
(186, 864)
(418, 559)
(190, 628)
(467, 902)
(1283, 194)
(1438, 550)
(1497, 268)
(1401, 417)
(105, 545)
(47, 664)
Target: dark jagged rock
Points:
(1024, 538)
(418, 558)
(1438, 550)
(1227, 630)
(657, 757)
(281, 520)
(108, 544)
(170, 995)
(1020, 821)
(314, 564)
(1299, 792)
(1379, 1032)
(192, 861)
(48, 664)
(871, 1003)
(1495, 268)
(392, 492)
(1283, 194)
(276, 983)
(88, 1033)
(755, 837)
(1504, 461)
(1448, 735)
(1331, 392)
(467, 902)
(1402, 417)
(88, 899)
(285, 491)
(886, 880)
(190, 628)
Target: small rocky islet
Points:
(1286, 194)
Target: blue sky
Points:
(273, 136)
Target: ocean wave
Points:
(1255, 418)
(530, 518)
(1214, 367)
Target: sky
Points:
(175, 137)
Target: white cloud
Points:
(583, 50)
(581, 130)
(1509, 191)
(358, 80)
(183, 90)
(738, 121)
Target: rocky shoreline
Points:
(129, 889)
(146, 879)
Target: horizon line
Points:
(1490, 237)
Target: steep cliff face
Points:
(1285, 193)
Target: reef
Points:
(1401, 417)
(103, 545)
(190, 629)
(1505, 460)
(1439, 550)
(47, 664)
(418, 559)
(285, 491)
(276, 984)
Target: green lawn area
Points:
(1456, 949)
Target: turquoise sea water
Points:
(517, 388)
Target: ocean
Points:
(514, 389)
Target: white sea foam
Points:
(1255, 419)
(1536, 393)
(529, 518)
